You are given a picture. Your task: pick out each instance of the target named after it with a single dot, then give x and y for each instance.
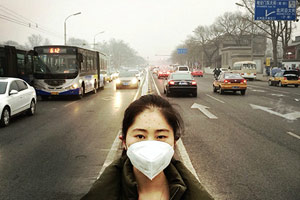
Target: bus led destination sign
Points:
(275, 10)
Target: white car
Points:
(16, 96)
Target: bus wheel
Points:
(95, 87)
(81, 92)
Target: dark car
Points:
(180, 83)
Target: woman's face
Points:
(150, 125)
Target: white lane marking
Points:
(258, 90)
(294, 135)
(297, 100)
(69, 104)
(155, 86)
(185, 157)
(288, 116)
(204, 110)
(278, 95)
(117, 142)
(215, 98)
(111, 154)
(181, 148)
(269, 89)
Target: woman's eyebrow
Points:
(162, 130)
(139, 130)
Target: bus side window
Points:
(29, 64)
(21, 64)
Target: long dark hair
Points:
(153, 101)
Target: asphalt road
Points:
(245, 153)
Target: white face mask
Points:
(150, 157)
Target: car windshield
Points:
(184, 76)
(127, 74)
(233, 76)
(3, 86)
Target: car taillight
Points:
(194, 82)
(254, 74)
(171, 83)
(242, 73)
(299, 78)
(226, 81)
(244, 81)
(284, 78)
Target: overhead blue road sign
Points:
(182, 51)
(275, 10)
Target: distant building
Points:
(292, 58)
(239, 49)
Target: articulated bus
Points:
(68, 70)
(247, 69)
(16, 63)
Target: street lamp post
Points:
(252, 28)
(65, 26)
(95, 38)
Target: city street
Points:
(241, 147)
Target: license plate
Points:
(182, 83)
(125, 83)
(54, 93)
(235, 87)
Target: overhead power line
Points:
(16, 18)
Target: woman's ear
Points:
(123, 141)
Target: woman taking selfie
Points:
(147, 169)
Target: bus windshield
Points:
(55, 66)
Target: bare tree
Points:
(273, 30)
(34, 40)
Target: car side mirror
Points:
(12, 92)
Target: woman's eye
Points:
(140, 136)
(161, 137)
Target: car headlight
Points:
(118, 81)
(134, 81)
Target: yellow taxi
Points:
(229, 81)
(285, 78)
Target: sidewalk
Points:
(262, 77)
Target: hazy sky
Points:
(151, 27)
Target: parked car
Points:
(285, 78)
(229, 81)
(180, 83)
(16, 96)
(127, 79)
(197, 72)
